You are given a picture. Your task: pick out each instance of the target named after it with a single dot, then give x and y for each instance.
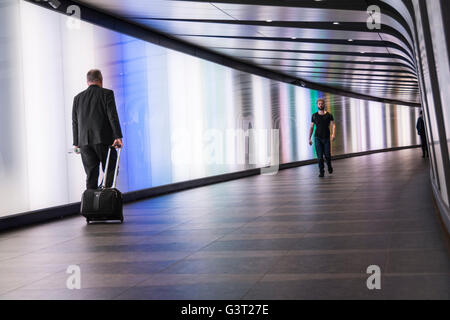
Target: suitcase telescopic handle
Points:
(115, 170)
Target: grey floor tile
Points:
(325, 289)
(227, 265)
(192, 286)
(341, 263)
(418, 240)
(63, 294)
(13, 281)
(418, 261)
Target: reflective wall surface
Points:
(182, 118)
(433, 62)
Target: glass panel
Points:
(431, 121)
(441, 56)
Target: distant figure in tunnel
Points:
(423, 138)
(96, 127)
(322, 120)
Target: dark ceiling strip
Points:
(346, 84)
(364, 43)
(359, 80)
(401, 94)
(118, 24)
(377, 88)
(331, 70)
(368, 82)
(339, 53)
(362, 88)
(346, 62)
(390, 91)
(352, 76)
(405, 94)
(321, 26)
(352, 5)
(385, 72)
(358, 83)
(333, 4)
(379, 81)
(324, 26)
(379, 84)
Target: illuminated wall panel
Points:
(431, 116)
(13, 148)
(302, 121)
(442, 59)
(182, 117)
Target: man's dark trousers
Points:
(423, 140)
(323, 147)
(92, 156)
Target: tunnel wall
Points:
(432, 42)
(183, 118)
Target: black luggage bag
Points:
(103, 204)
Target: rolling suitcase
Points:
(103, 204)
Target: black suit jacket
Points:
(94, 117)
(420, 126)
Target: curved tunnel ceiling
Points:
(326, 42)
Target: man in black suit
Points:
(421, 132)
(96, 127)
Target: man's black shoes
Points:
(322, 173)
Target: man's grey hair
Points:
(94, 75)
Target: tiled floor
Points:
(288, 236)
